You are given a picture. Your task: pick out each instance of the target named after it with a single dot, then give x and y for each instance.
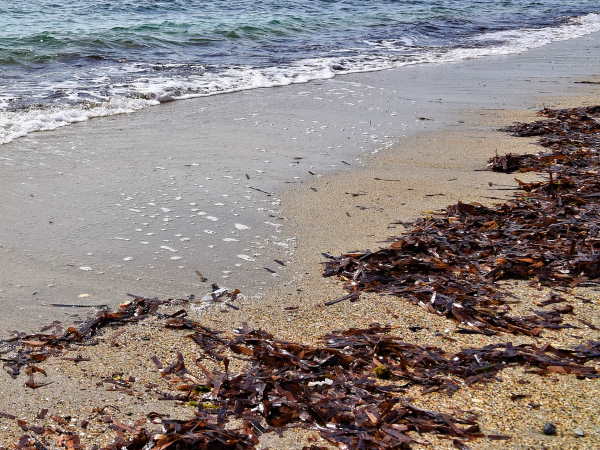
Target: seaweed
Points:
(450, 263)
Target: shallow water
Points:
(66, 62)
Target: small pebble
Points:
(550, 429)
(579, 432)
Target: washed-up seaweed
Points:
(549, 233)
(28, 349)
(349, 389)
(324, 388)
(203, 432)
(25, 350)
(570, 134)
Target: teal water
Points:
(62, 62)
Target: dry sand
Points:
(334, 214)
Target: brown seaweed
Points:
(347, 389)
(27, 349)
(449, 264)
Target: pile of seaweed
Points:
(549, 233)
(352, 387)
(349, 389)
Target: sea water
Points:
(65, 62)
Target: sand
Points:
(108, 195)
(335, 213)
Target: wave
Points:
(59, 45)
(148, 91)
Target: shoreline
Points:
(300, 71)
(452, 175)
(94, 211)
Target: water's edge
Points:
(21, 122)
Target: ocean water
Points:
(65, 62)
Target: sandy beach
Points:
(329, 167)
(366, 221)
(137, 203)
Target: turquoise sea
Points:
(64, 62)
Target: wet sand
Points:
(337, 213)
(138, 203)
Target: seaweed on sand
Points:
(549, 233)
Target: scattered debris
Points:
(384, 179)
(203, 279)
(260, 190)
(68, 305)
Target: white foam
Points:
(517, 41)
(15, 124)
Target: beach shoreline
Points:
(46, 88)
(139, 203)
(254, 190)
